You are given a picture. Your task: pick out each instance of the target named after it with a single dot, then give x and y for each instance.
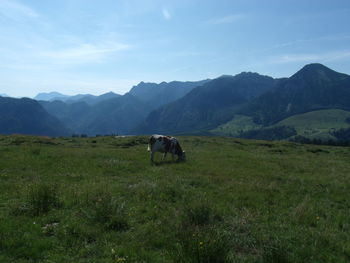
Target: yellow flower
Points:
(201, 243)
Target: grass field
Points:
(100, 200)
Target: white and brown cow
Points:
(165, 144)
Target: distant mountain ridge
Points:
(165, 92)
(50, 96)
(88, 98)
(115, 114)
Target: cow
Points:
(165, 144)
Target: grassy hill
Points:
(239, 124)
(318, 124)
(233, 200)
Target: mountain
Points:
(113, 113)
(50, 96)
(106, 96)
(207, 106)
(313, 87)
(314, 103)
(164, 92)
(27, 116)
(70, 114)
(116, 115)
(88, 98)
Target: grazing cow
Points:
(165, 144)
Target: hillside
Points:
(26, 116)
(233, 200)
(318, 124)
(207, 106)
(313, 104)
(314, 87)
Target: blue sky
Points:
(90, 46)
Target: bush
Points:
(275, 133)
(199, 238)
(40, 199)
(202, 244)
(103, 208)
(198, 215)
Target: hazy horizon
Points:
(89, 47)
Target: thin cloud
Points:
(16, 11)
(84, 53)
(166, 13)
(46, 56)
(227, 19)
(324, 57)
(336, 37)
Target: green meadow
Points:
(318, 124)
(233, 200)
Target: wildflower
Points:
(201, 243)
(120, 259)
(113, 251)
(317, 217)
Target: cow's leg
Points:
(173, 156)
(152, 155)
(164, 155)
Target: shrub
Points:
(42, 198)
(104, 209)
(202, 244)
(36, 151)
(199, 215)
(200, 239)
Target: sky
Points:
(97, 46)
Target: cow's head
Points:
(182, 156)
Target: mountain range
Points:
(88, 98)
(312, 103)
(208, 105)
(27, 116)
